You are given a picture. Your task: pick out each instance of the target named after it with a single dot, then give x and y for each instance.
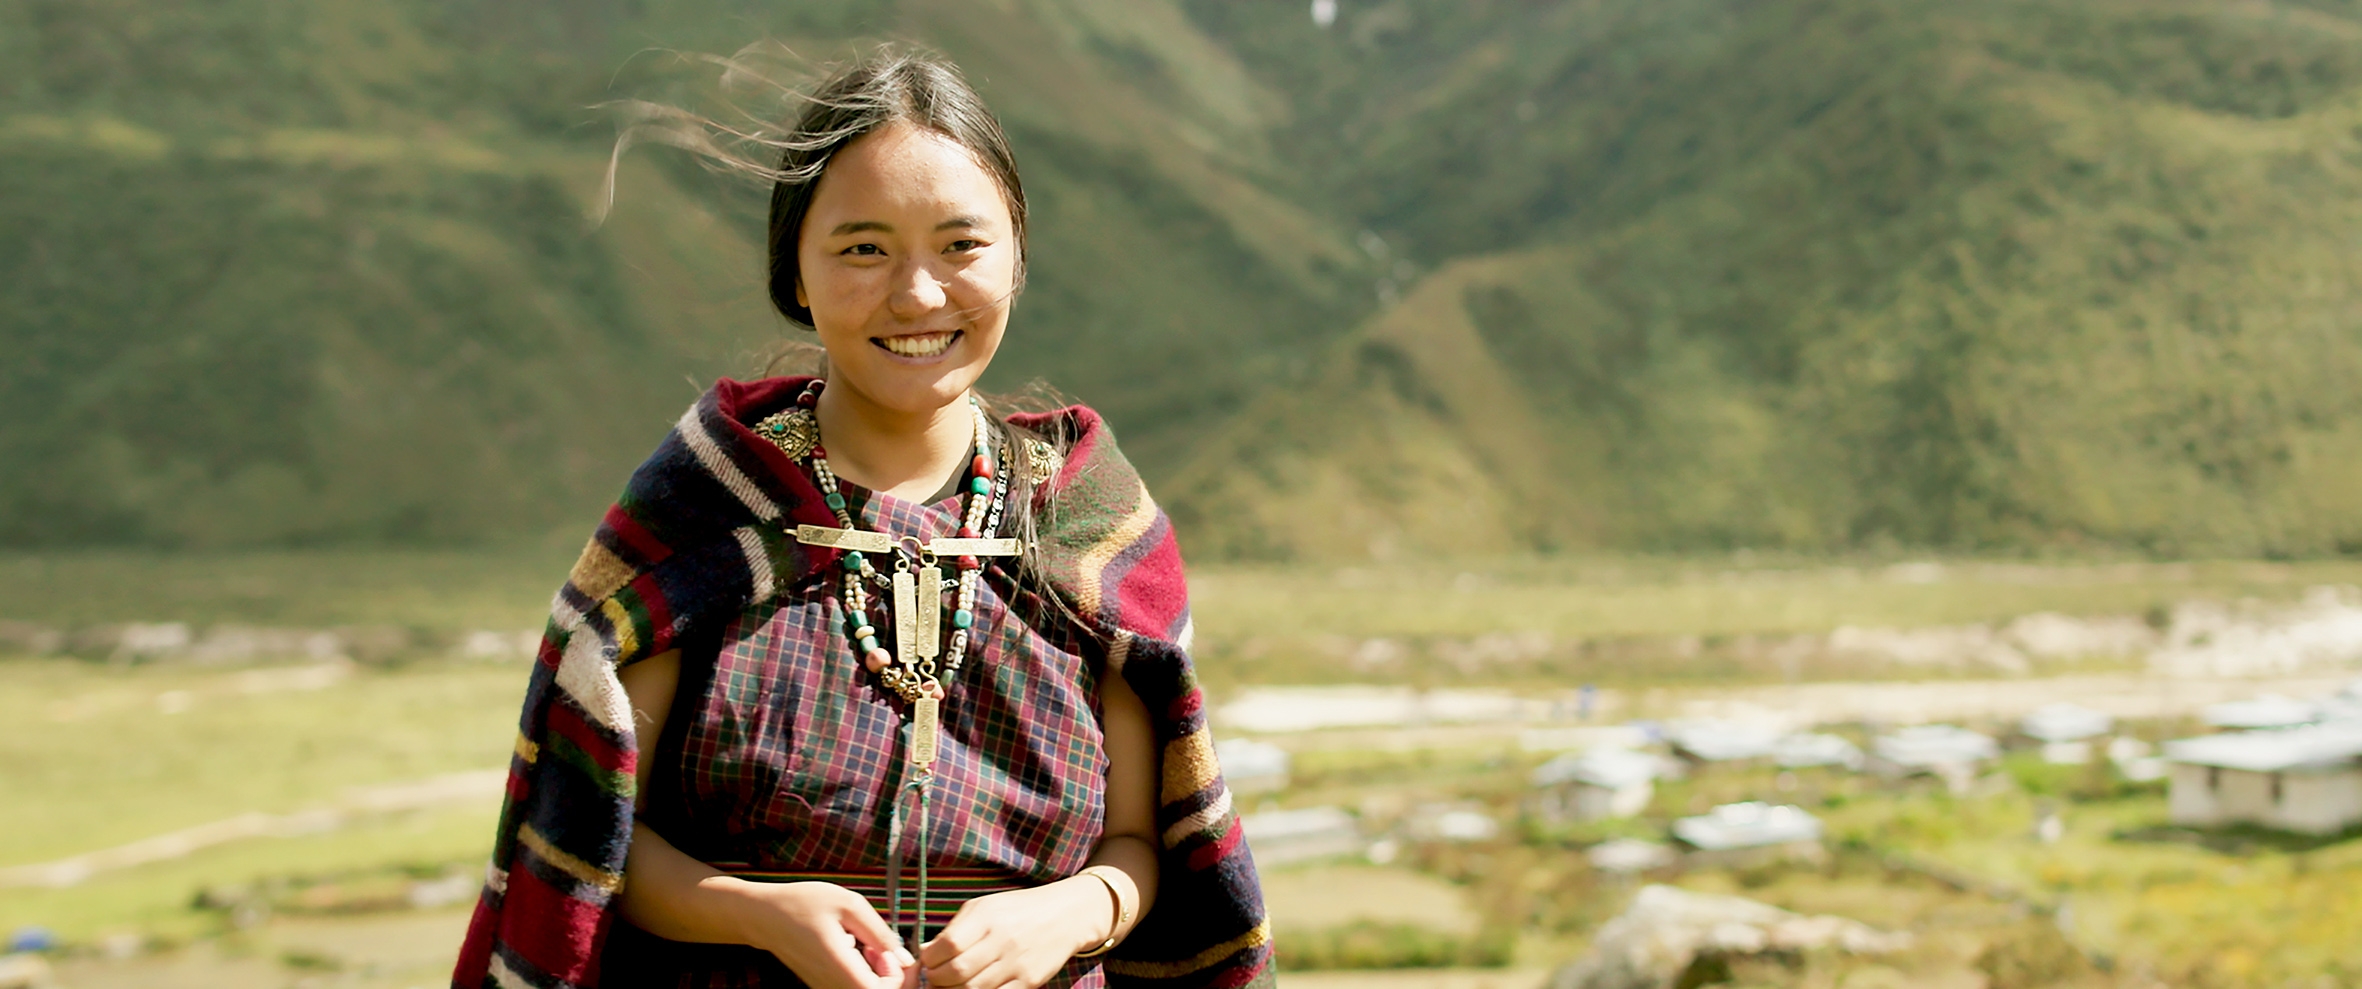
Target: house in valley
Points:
(2305, 780)
(1601, 783)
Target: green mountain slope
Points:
(324, 273)
(1819, 275)
(1448, 275)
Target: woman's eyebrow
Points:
(860, 226)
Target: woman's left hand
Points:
(1018, 939)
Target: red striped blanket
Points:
(701, 532)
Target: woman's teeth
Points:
(918, 344)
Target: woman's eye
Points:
(964, 246)
(864, 250)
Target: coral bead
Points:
(971, 563)
(983, 466)
(875, 659)
(967, 532)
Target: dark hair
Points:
(892, 86)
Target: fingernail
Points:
(902, 954)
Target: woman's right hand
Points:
(829, 936)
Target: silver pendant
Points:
(927, 615)
(853, 539)
(973, 547)
(906, 627)
(926, 726)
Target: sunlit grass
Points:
(89, 759)
(159, 900)
(2195, 915)
(1644, 596)
(452, 590)
(93, 755)
(1587, 597)
(126, 769)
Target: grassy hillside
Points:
(326, 275)
(1475, 276)
(1812, 275)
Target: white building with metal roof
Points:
(1934, 747)
(1601, 783)
(2065, 730)
(2267, 711)
(2307, 780)
(1801, 750)
(1753, 824)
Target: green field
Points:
(97, 754)
(2119, 897)
(1235, 605)
(2252, 915)
(415, 589)
(94, 760)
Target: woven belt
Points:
(950, 887)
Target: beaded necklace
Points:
(916, 585)
(917, 609)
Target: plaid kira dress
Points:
(781, 755)
(777, 756)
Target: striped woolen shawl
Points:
(701, 533)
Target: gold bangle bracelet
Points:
(1115, 929)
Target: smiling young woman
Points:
(866, 682)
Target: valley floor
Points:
(357, 780)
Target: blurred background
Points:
(1851, 493)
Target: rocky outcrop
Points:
(1666, 930)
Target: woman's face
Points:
(908, 261)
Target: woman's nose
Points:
(917, 292)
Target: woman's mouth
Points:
(918, 345)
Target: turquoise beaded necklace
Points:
(986, 497)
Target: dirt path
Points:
(1374, 718)
(474, 786)
(2125, 695)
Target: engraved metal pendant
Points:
(926, 729)
(849, 539)
(974, 547)
(927, 615)
(794, 431)
(1041, 461)
(906, 619)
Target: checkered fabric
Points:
(699, 544)
(789, 754)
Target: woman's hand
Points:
(1020, 938)
(829, 936)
